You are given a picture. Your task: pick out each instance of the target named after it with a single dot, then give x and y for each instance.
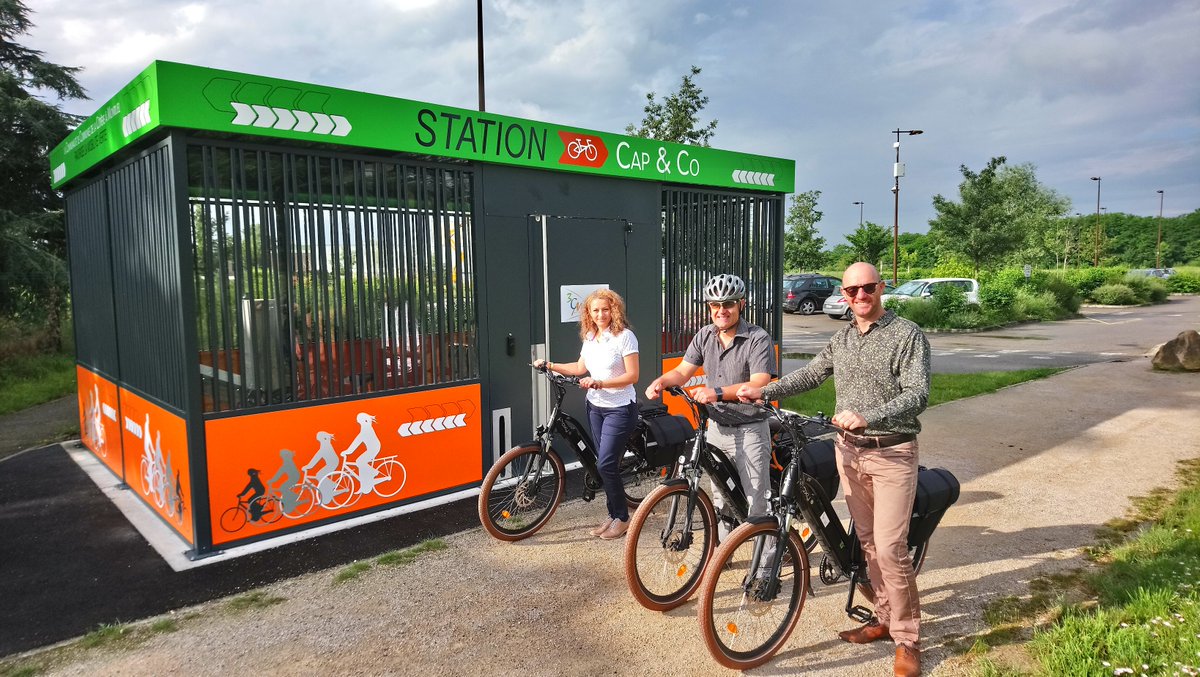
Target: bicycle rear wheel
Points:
(743, 624)
(664, 554)
(640, 480)
(521, 492)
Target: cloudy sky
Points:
(1077, 88)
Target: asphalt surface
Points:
(70, 561)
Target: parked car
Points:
(916, 289)
(838, 308)
(806, 292)
(1162, 273)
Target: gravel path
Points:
(1042, 465)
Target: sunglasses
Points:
(852, 291)
(717, 305)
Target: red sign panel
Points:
(582, 149)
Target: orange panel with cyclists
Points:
(99, 417)
(156, 460)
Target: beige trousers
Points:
(879, 485)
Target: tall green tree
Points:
(870, 241)
(32, 240)
(999, 208)
(677, 117)
(802, 247)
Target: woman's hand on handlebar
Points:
(750, 394)
(541, 365)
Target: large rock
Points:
(1181, 353)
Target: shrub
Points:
(1088, 279)
(1065, 294)
(1184, 283)
(924, 313)
(1147, 289)
(952, 266)
(970, 318)
(949, 299)
(996, 297)
(1036, 305)
(1114, 295)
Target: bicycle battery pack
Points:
(937, 490)
(819, 461)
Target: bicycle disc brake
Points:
(829, 572)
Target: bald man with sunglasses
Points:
(880, 366)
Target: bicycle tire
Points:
(390, 469)
(147, 480)
(517, 510)
(272, 510)
(663, 571)
(741, 630)
(233, 519)
(918, 553)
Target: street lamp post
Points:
(1158, 245)
(860, 208)
(1096, 256)
(897, 172)
(479, 42)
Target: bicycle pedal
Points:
(860, 614)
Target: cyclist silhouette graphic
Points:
(327, 454)
(256, 490)
(291, 478)
(371, 446)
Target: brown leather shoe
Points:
(908, 661)
(615, 530)
(602, 528)
(871, 632)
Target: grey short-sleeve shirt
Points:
(752, 352)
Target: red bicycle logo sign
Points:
(582, 149)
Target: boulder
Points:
(1181, 353)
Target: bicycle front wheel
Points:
(391, 478)
(744, 622)
(521, 492)
(233, 519)
(665, 551)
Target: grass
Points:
(1139, 611)
(255, 599)
(394, 558)
(26, 381)
(943, 388)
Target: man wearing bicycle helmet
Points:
(734, 353)
(880, 366)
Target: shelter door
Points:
(578, 255)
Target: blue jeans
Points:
(611, 428)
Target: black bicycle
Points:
(523, 489)
(755, 586)
(672, 534)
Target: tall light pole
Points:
(860, 208)
(1158, 246)
(897, 172)
(1096, 257)
(479, 39)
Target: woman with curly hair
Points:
(609, 357)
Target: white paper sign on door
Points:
(572, 296)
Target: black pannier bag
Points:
(667, 438)
(937, 490)
(820, 462)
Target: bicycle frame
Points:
(570, 429)
(704, 458)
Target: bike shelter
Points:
(295, 305)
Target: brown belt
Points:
(876, 441)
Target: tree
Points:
(32, 237)
(676, 117)
(870, 241)
(1000, 207)
(801, 244)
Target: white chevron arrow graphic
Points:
(403, 429)
(458, 420)
(438, 423)
(341, 126)
(245, 114)
(286, 118)
(266, 116)
(324, 124)
(426, 426)
(304, 121)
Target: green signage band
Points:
(181, 96)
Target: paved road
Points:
(1103, 334)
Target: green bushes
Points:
(1184, 283)
(1114, 295)
(1037, 305)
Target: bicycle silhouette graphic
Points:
(579, 147)
(94, 426)
(155, 473)
(266, 507)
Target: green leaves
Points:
(677, 117)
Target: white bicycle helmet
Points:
(724, 287)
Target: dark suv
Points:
(806, 292)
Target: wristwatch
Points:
(720, 394)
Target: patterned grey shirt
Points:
(882, 374)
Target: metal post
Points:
(897, 171)
(479, 40)
(860, 208)
(1096, 256)
(1158, 245)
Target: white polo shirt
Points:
(604, 357)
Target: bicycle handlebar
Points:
(555, 376)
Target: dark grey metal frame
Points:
(707, 232)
